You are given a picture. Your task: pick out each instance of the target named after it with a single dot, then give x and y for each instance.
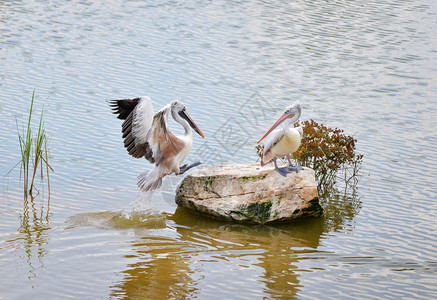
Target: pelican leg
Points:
(186, 167)
(291, 167)
(283, 171)
(289, 160)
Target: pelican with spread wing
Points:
(147, 135)
(283, 141)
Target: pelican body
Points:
(283, 140)
(147, 135)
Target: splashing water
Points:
(141, 214)
(143, 201)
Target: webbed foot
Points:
(295, 168)
(283, 171)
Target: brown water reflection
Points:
(175, 265)
(33, 233)
(163, 270)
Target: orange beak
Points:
(281, 119)
(190, 121)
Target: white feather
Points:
(142, 120)
(273, 138)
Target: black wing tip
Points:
(123, 107)
(112, 103)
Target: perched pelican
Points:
(147, 135)
(283, 141)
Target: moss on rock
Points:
(208, 183)
(257, 211)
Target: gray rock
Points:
(250, 193)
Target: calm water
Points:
(368, 67)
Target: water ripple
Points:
(365, 67)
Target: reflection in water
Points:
(340, 209)
(271, 248)
(163, 270)
(364, 66)
(34, 229)
(186, 263)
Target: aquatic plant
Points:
(34, 153)
(328, 151)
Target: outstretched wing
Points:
(137, 114)
(162, 142)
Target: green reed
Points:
(34, 153)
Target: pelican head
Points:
(178, 110)
(292, 113)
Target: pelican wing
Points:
(163, 143)
(137, 114)
(123, 107)
(273, 138)
(270, 141)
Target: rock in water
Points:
(250, 193)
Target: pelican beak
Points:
(281, 119)
(183, 113)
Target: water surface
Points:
(368, 67)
